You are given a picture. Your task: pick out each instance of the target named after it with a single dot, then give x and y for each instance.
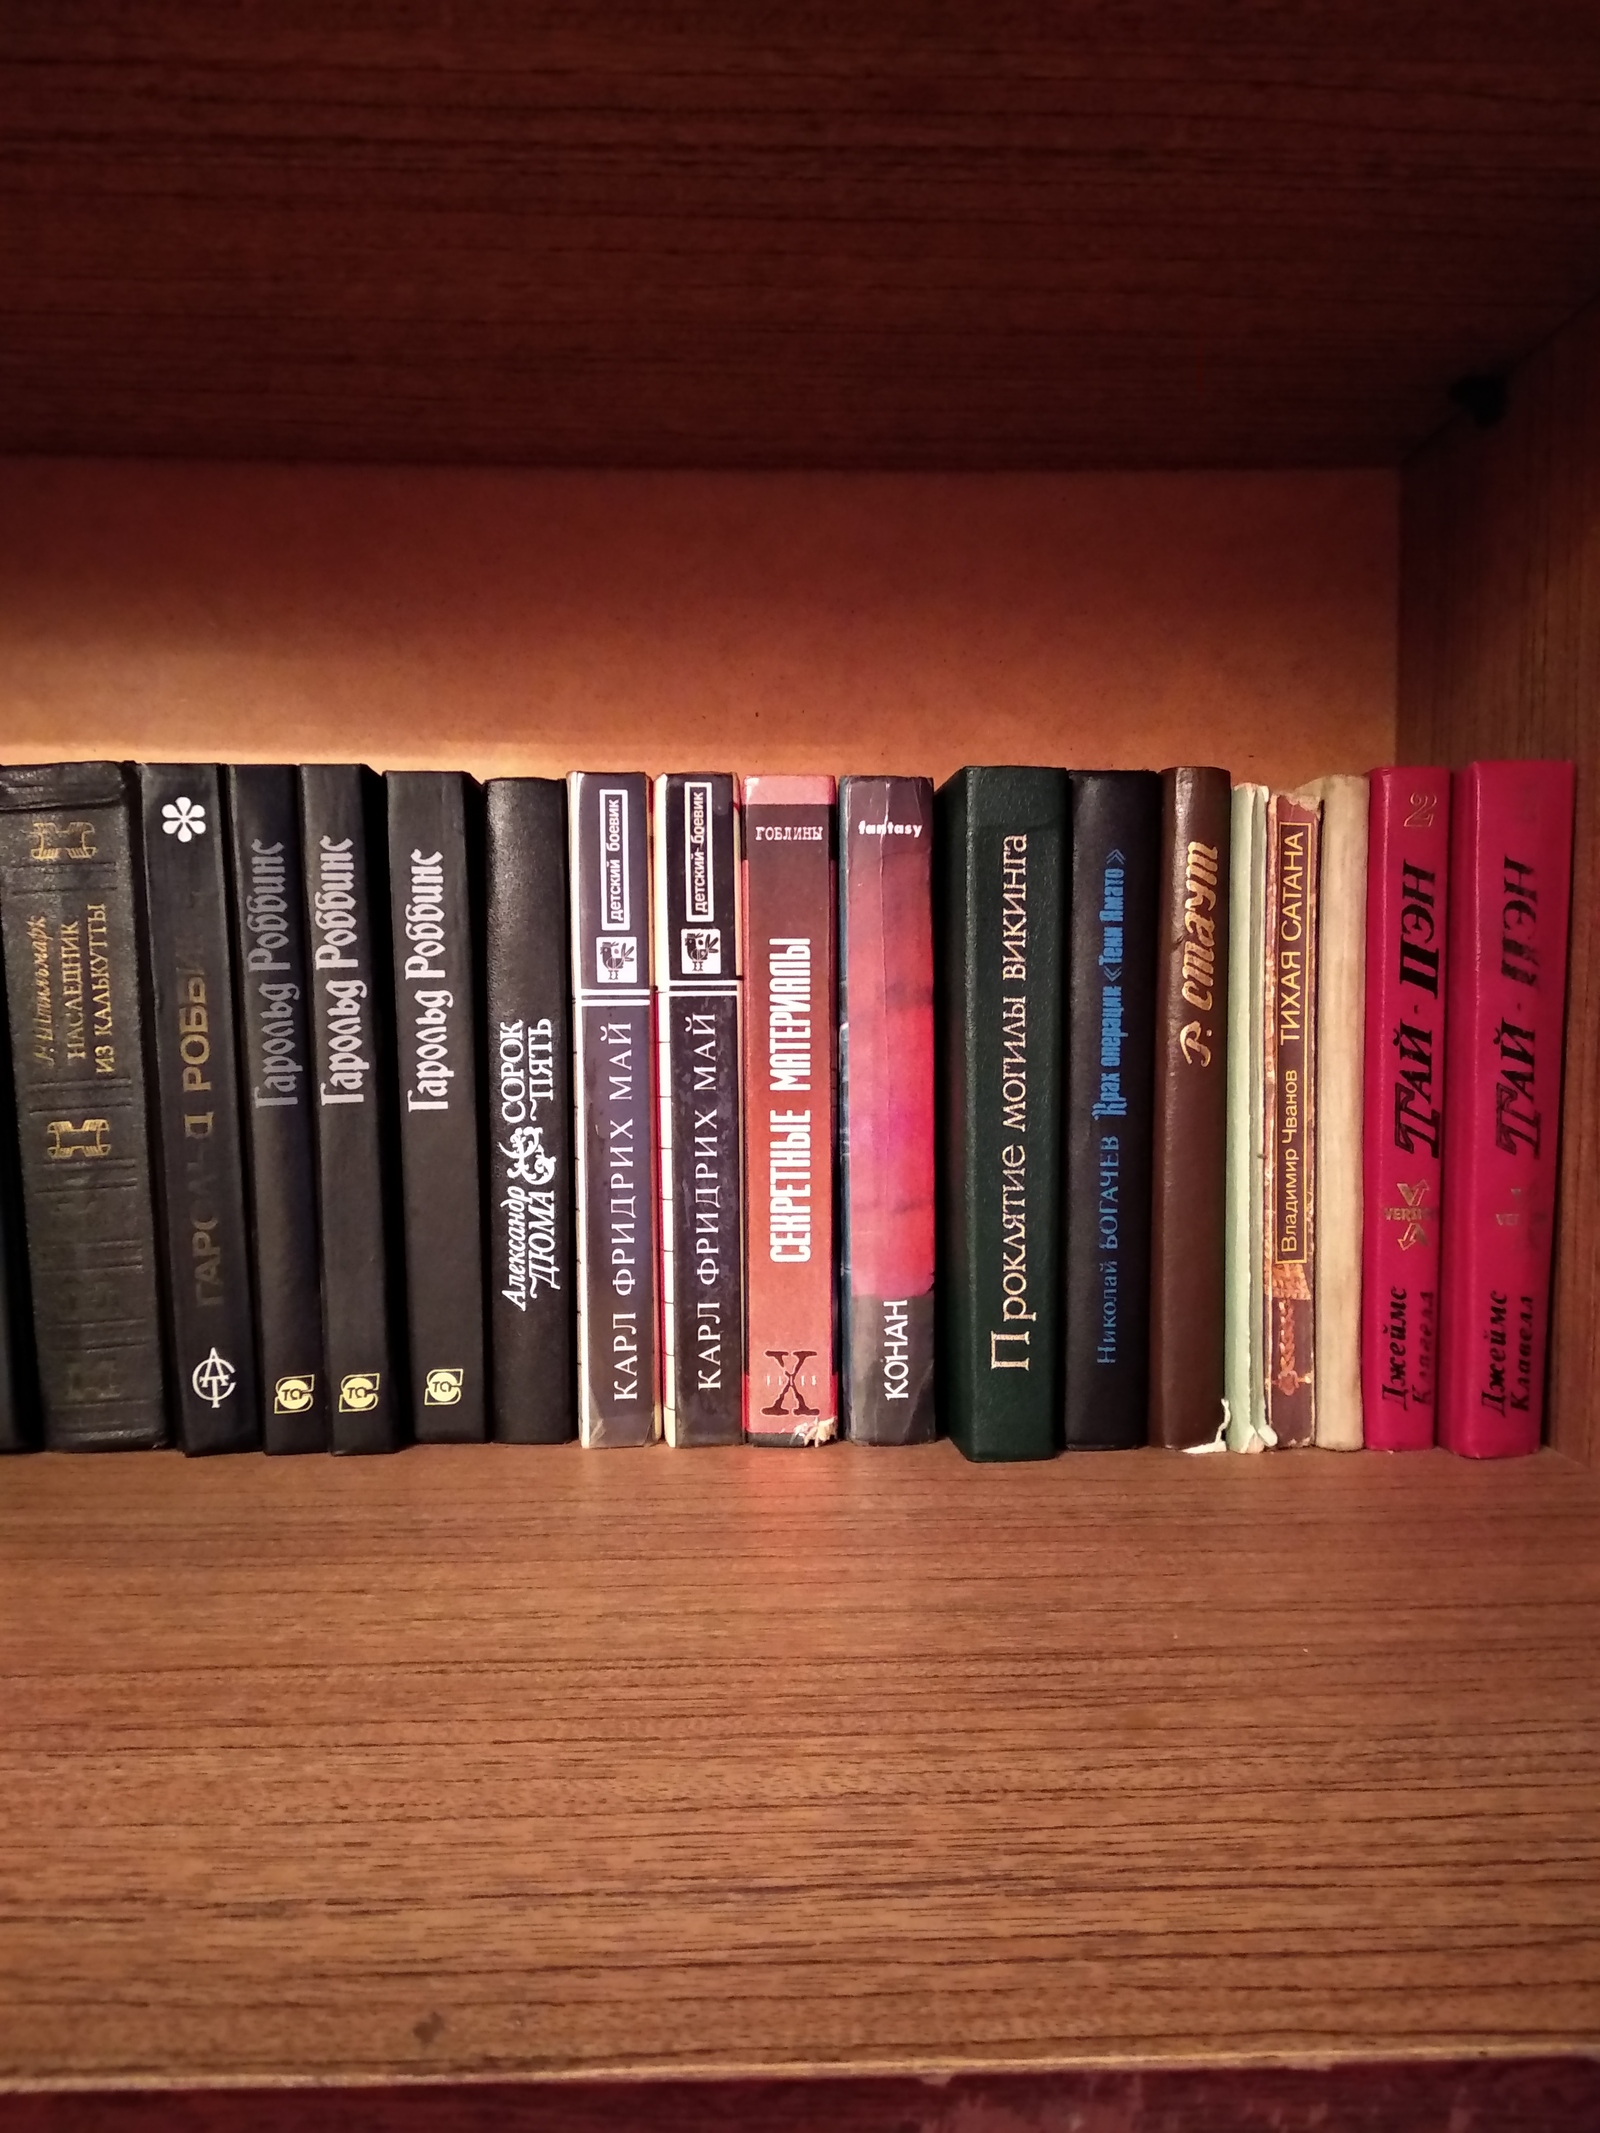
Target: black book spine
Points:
(433, 850)
(344, 838)
(1116, 864)
(272, 987)
(697, 1014)
(619, 1396)
(200, 1199)
(1001, 841)
(76, 1001)
(528, 994)
(19, 1379)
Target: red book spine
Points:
(791, 1382)
(1408, 901)
(1511, 859)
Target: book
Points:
(1510, 890)
(1244, 1304)
(1341, 1025)
(1189, 1131)
(532, 1179)
(1000, 945)
(791, 1372)
(344, 844)
(619, 1358)
(1408, 902)
(200, 1192)
(78, 1047)
(19, 1383)
(697, 1023)
(1111, 969)
(1290, 1144)
(272, 987)
(886, 1081)
(434, 850)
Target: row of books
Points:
(1056, 1109)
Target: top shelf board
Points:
(980, 236)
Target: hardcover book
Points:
(272, 988)
(1510, 888)
(434, 849)
(1244, 1303)
(1111, 962)
(1341, 1021)
(1188, 1242)
(619, 1361)
(344, 841)
(1408, 901)
(1290, 1155)
(1000, 945)
(200, 1198)
(886, 1079)
(532, 1179)
(791, 1377)
(697, 1022)
(78, 1036)
(19, 1385)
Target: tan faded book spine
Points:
(1341, 990)
(1290, 1151)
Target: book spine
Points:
(1111, 962)
(1244, 1308)
(272, 986)
(1341, 1020)
(791, 1376)
(1290, 1165)
(19, 1381)
(343, 836)
(433, 854)
(73, 984)
(697, 1022)
(528, 982)
(1511, 885)
(1193, 1062)
(1408, 900)
(1000, 941)
(199, 1140)
(886, 1109)
(619, 1362)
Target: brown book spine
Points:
(1289, 1228)
(1188, 1199)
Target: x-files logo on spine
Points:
(214, 1379)
(791, 1377)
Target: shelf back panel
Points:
(1500, 656)
(521, 622)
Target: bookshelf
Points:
(873, 394)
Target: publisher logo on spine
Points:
(616, 962)
(358, 1392)
(214, 1379)
(442, 1388)
(292, 1395)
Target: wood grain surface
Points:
(487, 1762)
(971, 235)
(515, 622)
(1500, 656)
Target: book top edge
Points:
(786, 791)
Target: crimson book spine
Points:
(886, 1108)
(697, 1030)
(528, 982)
(200, 1195)
(434, 850)
(619, 1355)
(1289, 1184)
(1511, 884)
(78, 1041)
(791, 1378)
(1408, 901)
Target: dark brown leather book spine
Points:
(1191, 1110)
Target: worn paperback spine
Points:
(1290, 1152)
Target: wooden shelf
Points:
(977, 237)
(495, 1763)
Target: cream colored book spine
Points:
(1243, 1305)
(1341, 1023)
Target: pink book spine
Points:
(1408, 861)
(1511, 859)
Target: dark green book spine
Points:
(1001, 849)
